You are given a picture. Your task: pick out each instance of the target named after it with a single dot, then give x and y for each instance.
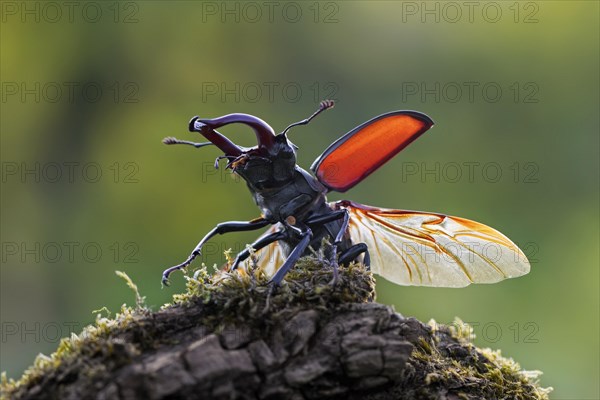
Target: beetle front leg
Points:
(225, 227)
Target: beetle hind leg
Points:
(353, 252)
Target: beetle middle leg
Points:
(259, 244)
(323, 219)
(305, 234)
(224, 227)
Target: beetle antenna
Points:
(172, 140)
(324, 105)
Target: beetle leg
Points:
(353, 252)
(338, 240)
(325, 218)
(305, 235)
(225, 227)
(322, 219)
(259, 244)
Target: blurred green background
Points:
(90, 89)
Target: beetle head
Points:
(282, 148)
(268, 164)
(272, 167)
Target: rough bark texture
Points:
(363, 347)
(303, 343)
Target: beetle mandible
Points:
(405, 247)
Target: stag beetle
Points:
(405, 247)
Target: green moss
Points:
(245, 296)
(478, 372)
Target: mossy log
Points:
(230, 337)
